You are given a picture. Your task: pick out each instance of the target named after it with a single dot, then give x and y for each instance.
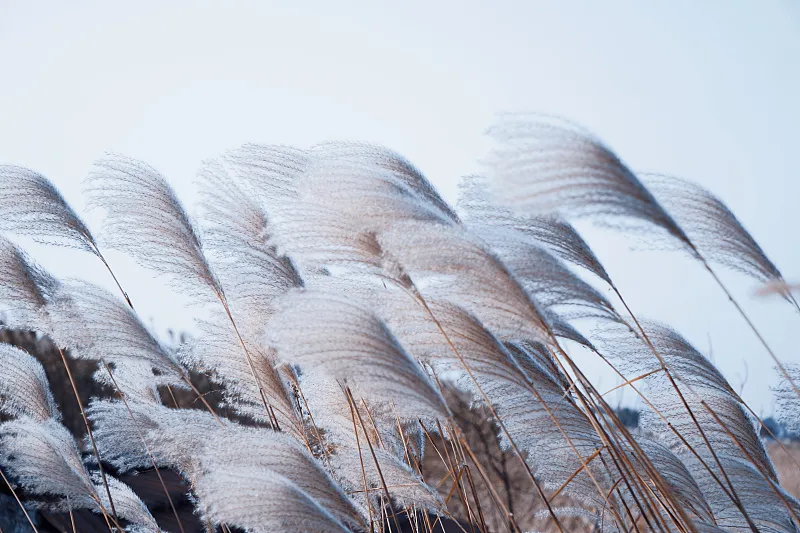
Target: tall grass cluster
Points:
(348, 310)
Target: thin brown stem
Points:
(744, 450)
(734, 497)
(354, 407)
(313, 423)
(88, 430)
(108, 267)
(578, 471)
(223, 300)
(633, 472)
(474, 491)
(71, 517)
(146, 447)
(16, 497)
(461, 491)
(633, 380)
(363, 471)
(751, 325)
(500, 423)
(488, 482)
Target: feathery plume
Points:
(712, 422)
(217, 352)
(701, 382)
(677, 476)
(194, 443)
(171, 434)
(24, 390)
(557, 235)
(765, 510)
(713, 228)
(254, 275)
(373, 157)
(450, 264)
(238, 234)
(549, 425)
(404, 485)
(552, 284)
(548, 165)
(127, 504)
(25, 288)
(110, 330)
(145, 219)
(271, 169)
(280, 454)
(31, 205)
(327, 209)
(333, 336)
(261, 501)
(43, 457)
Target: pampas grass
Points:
(353, 317)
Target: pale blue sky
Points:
(704, 90)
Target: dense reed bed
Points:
(352, 316)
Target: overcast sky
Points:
(703, 90)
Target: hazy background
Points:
(706, 91)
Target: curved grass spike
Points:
(731, 492)
(32, 289)
(42, 453)
(31, 205)
(622, 462)
(715, 231)
(591, 180)
(145, 219)
(431, 249)
(428, 248)
(514, 230)
(254, 274)
(41, 303)
(113, 332)
(548, 165)
(604, 408)
(477, 209)
(286, 188)
(356, 182)
(733, 498)
(609, 413)
(704, 383)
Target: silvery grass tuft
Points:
(344, 301)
